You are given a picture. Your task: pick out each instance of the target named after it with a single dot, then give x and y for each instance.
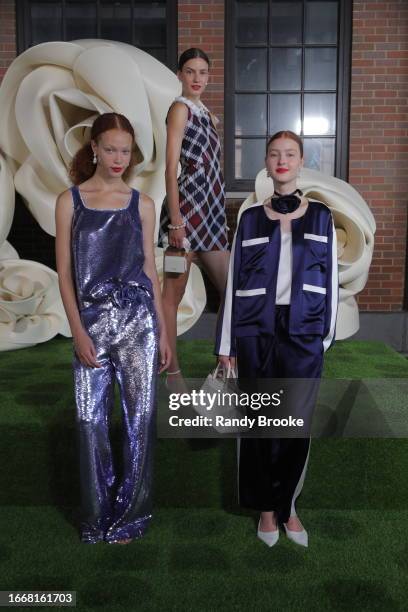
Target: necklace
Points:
(288, 203)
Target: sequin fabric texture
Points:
(201, 184)
(115, 299)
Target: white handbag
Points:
(176, 264)
(175, 260)
(218, 383)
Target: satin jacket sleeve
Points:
(332, 292)
(225, 336)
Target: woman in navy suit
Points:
(277, 321)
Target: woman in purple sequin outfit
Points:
(111, 294)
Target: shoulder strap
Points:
(135, 201)
(76, 197)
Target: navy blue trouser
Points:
(272, 470)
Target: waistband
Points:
(120, 293)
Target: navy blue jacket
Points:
(249, 301)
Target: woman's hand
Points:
(85, 349)
(176, 238)
(227, 361)
(164, 352)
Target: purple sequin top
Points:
(107, 251)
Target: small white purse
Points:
(176, 264)
(218, 382)
(175, 260)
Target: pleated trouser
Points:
(126, 342)
(272, 470)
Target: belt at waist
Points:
(121, 293)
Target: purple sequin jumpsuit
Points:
(115, 299)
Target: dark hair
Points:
(192, 54)
(82, 166)
(286, 134)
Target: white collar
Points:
(198, 109)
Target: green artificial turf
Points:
(201, 551)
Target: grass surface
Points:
(201, 552)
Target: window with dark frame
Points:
(151, 26)
(288, 67)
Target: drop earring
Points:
(95, 159)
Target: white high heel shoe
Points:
(299, 537)
(268, 537)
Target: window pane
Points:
(250, 115)
(80, 19)
(319, 154)
(284, 113)
(321, 21)
(252, 22)
(150, 24)
(115, 21)
(286, 66)
(249, 157)
(160, 54)
(320, 114)
(46, 22)
(321, 68)
(286, 23)
(250, 69)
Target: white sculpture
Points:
(6, 205)
(355, 228)
(49, 98)
(31, 309)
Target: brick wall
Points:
(379, 140)
(7, 35)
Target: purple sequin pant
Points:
(125, 335)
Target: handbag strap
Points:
(230, 373)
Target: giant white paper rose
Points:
(50, 97)
(355, 228)
(6, 206)
(31, 309)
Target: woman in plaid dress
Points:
(194, 208)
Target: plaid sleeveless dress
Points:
(201, 184)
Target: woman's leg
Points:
(94, 389)
(135, 359)
(215, 264)
(270, 469)
(174, 286)
(299, 357)
(255, 461)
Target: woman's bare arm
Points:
(176, 123)
(148, 219)
(63, 217)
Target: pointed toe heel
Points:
(269, 538)
(299, 537)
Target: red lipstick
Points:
(281, 170)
